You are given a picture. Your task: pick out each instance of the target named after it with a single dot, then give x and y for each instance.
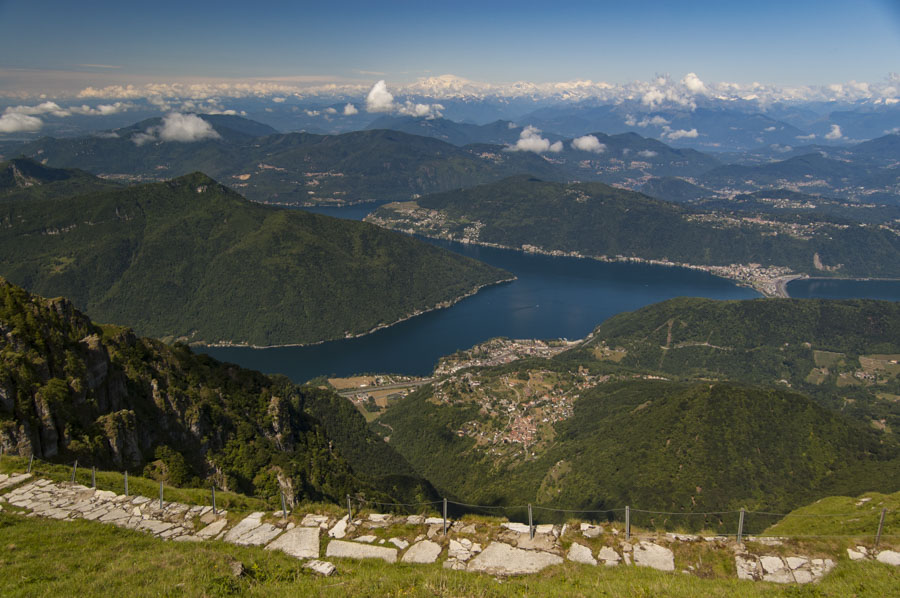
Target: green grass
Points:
(93, 559)
(843, 516)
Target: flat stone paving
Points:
(513, 551)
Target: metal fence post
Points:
(214, 499)
(160, 495)
(445, 516)
(30, 462)
(93, 477)
(880, 526)
(283, 507)
(126, 482)
(740, 534)
(530, 523)
(74, 469)
(349, 511)
(628, 523)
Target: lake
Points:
(829, 288)
(553, 297)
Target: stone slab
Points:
(425, 551)
(355, 550)
(502, 559)
(300, 542)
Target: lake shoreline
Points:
(441, 305)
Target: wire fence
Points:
(739, 524)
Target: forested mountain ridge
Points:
(70, 389)
(596, 220)
(190, 259)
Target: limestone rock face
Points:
(647, 554)
(502, 559)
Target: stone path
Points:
(508, 549)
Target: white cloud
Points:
(350, 110)
(693, 83)
(769, 129)
(278, 100)
(806, 137)
(421, 110)
(140, 139)
(653, 97)
(16, 122)
(58, 111)
(588, 143)
(646, 153)
(834, 133)
(312, 112)
(330, 111)
(42, 108)
(681, 134)
(530, 140)
(175, 126)
(379, 98)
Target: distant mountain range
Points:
(191, 260)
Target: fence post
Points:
(880, 526)
(214, 499)
(283, 507)
(74, 469)
(126, 482)
(445, 516)
(160, 495)
(740, 534)
(93, 477)
(30, 462)
(349, 511)
(628, 523)
(530, 523)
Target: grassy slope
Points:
(171, 261)
(94, 559)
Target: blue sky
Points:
(783, 43)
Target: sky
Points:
(58, 47)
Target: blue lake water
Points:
(552, 298)
(824, 288)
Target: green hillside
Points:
(598, 220)
(21, 178)
(843, 353)
(293, 168)
(189, 259)
(70, 389)
(689, 405)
